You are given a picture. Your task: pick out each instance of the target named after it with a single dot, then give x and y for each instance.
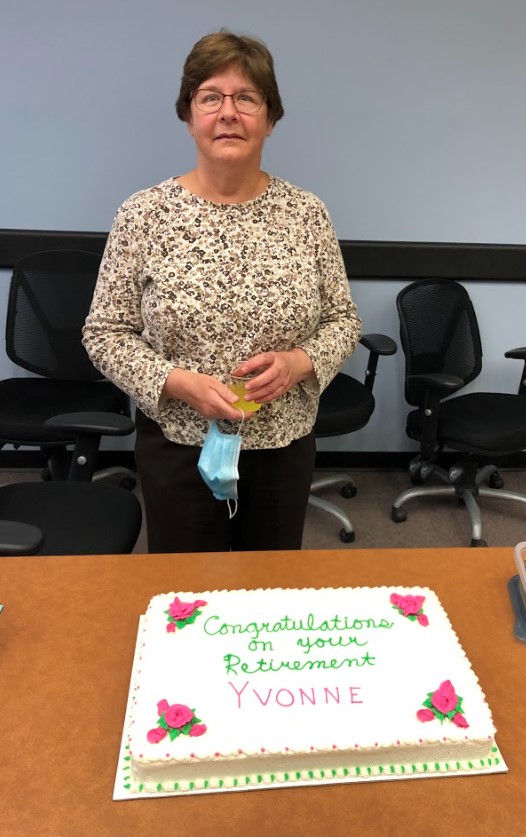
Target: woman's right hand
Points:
(206, 394)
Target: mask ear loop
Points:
(232, 511)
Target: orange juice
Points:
(237, 385)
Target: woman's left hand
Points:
(275, 373)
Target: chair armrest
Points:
(88, 428)
(519, 354)
(19, 538)
(437, 385)
(377, 344)
(102, 424)
(436, 380)
(380, 344)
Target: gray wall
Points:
(408, 118)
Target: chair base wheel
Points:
(398, 515)
(128, 483)
(496, 481)
(477, 542)
(348, 491)
(347, 537)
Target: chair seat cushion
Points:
(481, 422)
(346, 405)
(77, 518)
(28, 402)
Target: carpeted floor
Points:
(430, 522)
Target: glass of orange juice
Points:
(237, 384)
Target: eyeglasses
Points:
(211, 101)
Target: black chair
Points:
(49, 298)
(77, 516)
(346, 405)
(441, 342)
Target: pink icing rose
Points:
(183, 610)
(394, 598)
(423, 620)
(177, 715)
(411, 604)
(170, 627)
(162, 706)
(156, 735)
(444, 699)
(425, 715)
(197, 729)
(460, 721)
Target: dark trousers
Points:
(182, 515)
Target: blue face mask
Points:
(218, 464)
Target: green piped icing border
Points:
(325, 775)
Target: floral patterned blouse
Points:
(202, 286)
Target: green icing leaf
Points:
(187, 727)
(174, 733)
(127, 787)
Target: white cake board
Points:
(120, 792)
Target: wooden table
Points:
(67, 636)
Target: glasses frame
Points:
(224, 96)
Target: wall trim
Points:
(331, 460)
(363, 259)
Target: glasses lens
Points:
(249, 101)
(208, 100)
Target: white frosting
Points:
(345, 704)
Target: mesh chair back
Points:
(438, 333)
(49, 299)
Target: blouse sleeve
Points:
(114, 334)
(339, 326)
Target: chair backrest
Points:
(49, 299)
(438, 332)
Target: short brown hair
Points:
(223, 49)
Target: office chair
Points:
(49, 298)
(346, 405)
(443, 353)
(77, 516)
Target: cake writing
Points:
(233, 663)
(302, 696)
(337, 627)
(286, 623)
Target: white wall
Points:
(408, 117)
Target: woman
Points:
(222, 270)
